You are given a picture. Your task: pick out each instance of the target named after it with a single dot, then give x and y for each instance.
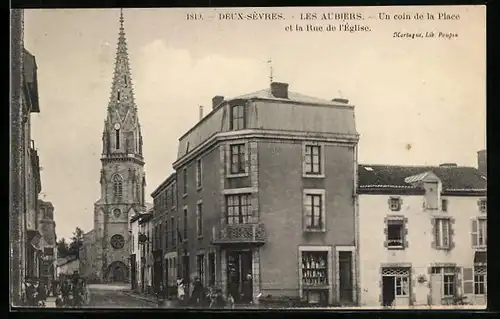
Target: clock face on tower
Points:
(117, 126)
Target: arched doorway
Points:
(117, 272)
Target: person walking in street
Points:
(41, 293)
(198, 297)
(181, 290)
(160, 296)
(59, 301)
(30, 292)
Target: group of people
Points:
(71, 292)
(36, 292)
(201, 297)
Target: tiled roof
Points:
(292, 96)
(385, 177)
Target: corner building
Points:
(122, 179)
(266, 184)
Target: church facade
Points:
(104, 257)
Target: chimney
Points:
(201, 112)
(279, 90)
(339, 100)
(217, 100)
(448, 165)
(482, 165)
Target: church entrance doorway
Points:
(117, 272)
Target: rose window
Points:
(117, 241)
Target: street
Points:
(115, 296)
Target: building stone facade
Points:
(47, 227)
(165, 233)
(423, 236)
(259, 168)
(122, 180)
(17, 173)
(26, 246)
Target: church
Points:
(104, 256)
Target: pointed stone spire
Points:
(121, 129)
(122, 94)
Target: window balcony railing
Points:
(251, 233)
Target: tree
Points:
(62, 248)
(76, 242)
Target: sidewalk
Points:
(51, 301)
(151, 299)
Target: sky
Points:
(426, 93)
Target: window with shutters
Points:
(237, 157)
(396, 232)
(238, 209)
(199, 175)
(313, 160)
(184, 182)
(442, 233)
(479, 280)
(185, 229)
(173, 231)
(314, 210)
(449, 282)
(199, 220)
(167, 234)
(479, 233)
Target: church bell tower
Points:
(122, 178)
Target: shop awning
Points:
(480, 257)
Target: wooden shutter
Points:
(468, 281)
(474, 236)
(304, 167)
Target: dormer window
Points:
(482, 205)
(118, 96)
(237, 117)
(125, 80)
(431, 195)
(395, 204)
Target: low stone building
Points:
(141, 256)
(67, 266)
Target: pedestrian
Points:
(230, 301)
(30, 292)
(217, 300)
(198, 295)
(59, 301)
(41, 293)
(181, 290)
(160, 295)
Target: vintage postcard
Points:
(261, 158)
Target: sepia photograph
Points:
(248, 158)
